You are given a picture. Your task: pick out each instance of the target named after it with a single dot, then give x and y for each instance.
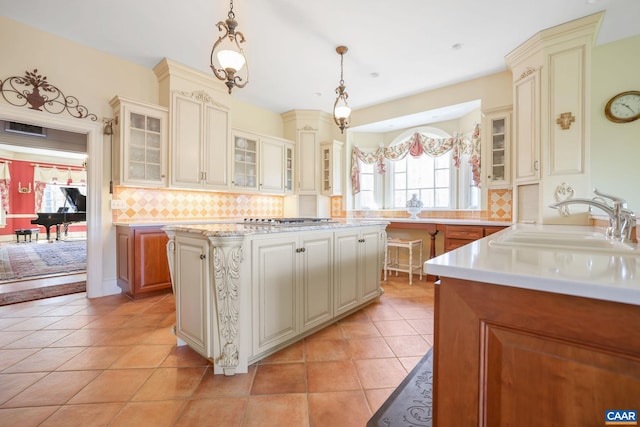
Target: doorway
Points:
(34, 264)
(95, 285)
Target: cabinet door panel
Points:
(193, 319)
(317, 281)
(346, 271)
(152, 268)
(217, 139)
(185, 147)
(272, 166)
(275, 297)
(527, 116)
(308, 175)
(370, 258)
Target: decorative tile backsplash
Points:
(500, 204)
(143, 204)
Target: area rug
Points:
(410, 405)
(22, 260)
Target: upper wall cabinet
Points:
(497, 125)
(200, 141)
(262, 163)
(245, 161)
(526, 92)
(139, 143)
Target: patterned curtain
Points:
(417, 145)
(5, 179)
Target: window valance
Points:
(43, 175)
(53, 175)
(417, 145)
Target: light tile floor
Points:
(72, 361)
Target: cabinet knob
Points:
(203, 256)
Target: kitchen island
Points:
(245, 290)
(537, 325)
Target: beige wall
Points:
(615, 147)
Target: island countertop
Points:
(240, 228)
(604, 276)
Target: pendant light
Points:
(341, 110)
(228, 54)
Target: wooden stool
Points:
(392, 263)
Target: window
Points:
(367, 197)
(428, 177)
(54, 199)
(436, 180)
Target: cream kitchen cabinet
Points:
(245, 161)
(262, 163)
(273, 165)
(331, 168)
(497, 125)
(139, 143)
(190, 272)
(292, 277)
(551, 118)
(244, 293)
(200, 142)
(358, 256)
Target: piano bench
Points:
(26, 232)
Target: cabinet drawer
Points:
(490, 230)
(463, 232)
(451, 244)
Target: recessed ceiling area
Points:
(451, 112)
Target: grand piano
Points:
(61, 219)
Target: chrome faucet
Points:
(621, 219)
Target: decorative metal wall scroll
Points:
(565, 120)
(34, 89)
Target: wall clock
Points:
(623, 107)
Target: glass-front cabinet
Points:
(288, 184)
(331, 168)
(497, 128)
(245, 162)
(140, 143)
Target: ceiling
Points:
(396, 48)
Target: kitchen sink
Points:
(565, 239)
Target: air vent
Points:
(25, 129)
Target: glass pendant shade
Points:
(230, 59)
(342, 111)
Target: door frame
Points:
(95, 141)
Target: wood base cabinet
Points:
(506, 356)
(142, 265)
